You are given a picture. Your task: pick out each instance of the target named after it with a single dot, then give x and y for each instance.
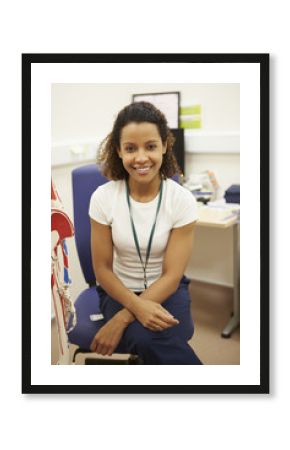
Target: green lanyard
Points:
(144, 266)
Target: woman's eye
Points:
(152, 146)
(129, 148)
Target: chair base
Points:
(132, 359)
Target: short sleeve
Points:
(185, 211)
(98, 209)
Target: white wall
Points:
(84, 113)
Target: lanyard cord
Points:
(144, 266)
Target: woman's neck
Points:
(144, 192)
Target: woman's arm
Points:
(176, 258)
(151, 315)
(102, 258)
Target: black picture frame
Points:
(262, 60)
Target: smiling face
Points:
(141, 150)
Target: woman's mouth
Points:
(142, 170)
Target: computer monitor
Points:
(178, 147)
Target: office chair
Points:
(85, 180)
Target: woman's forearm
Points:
(116, 289)
(161, 289)
(125, 316)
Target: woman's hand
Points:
(109, 336)
(153, 316)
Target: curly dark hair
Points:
(108, 159)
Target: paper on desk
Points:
(214, 215)
(222, 204)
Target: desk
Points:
(209, 219)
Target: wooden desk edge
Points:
(226, 224)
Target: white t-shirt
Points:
(109, 206)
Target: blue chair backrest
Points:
(85, 181)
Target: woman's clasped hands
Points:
(150, 314)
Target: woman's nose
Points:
(141, 155)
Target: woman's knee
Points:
(139, 337)
(179, 305)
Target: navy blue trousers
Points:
(157, 347)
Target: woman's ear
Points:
(119, 153)
(164, 148)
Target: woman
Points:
(142, 225)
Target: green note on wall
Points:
(195, 123)
(190, 116)
(191, 109)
